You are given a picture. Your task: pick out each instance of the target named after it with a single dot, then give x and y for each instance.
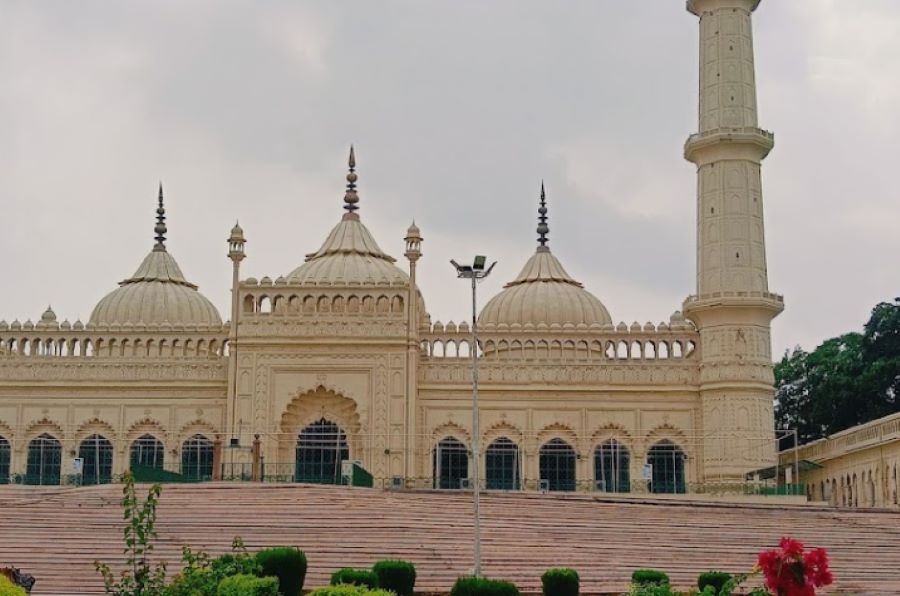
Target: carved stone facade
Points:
(342, 347)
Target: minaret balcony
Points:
(728, 143)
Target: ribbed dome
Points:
(157, 294)
(543, 294)
(349, 257)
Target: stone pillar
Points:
(257, 459)
(733, 307)
(217, 458)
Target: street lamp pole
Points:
(475, 272)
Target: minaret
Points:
(413, 241)
(236, 242)
(733, 307)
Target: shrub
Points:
(649, 576)
(200, 575)
(356, 577)
(714, 579)
(286, 563)
(397, 576)
(348, 590)
(248, 585)
(653, 590)
(482, 586)
(7, 588)
(560, 582)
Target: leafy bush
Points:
(714, 579)
(7, 588)
(200, 575)
(356, 577)
(560, 582)
(288, 564)
(482, 586)
(348, 590)
(649, 576)
(653, 590)
(248, 585)
(397, 576)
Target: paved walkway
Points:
(57, 533)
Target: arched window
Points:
(96, 453)
(321, 447)
(147, 451)
(502, 465)
(197, 458)
(611, 474)
(557, 465)
(44, 457)
(667, 464)
(451, 463)
(4, 460)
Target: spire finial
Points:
(542, 228)
(350, 197)
(160, 227)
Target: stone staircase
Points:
(57, 533)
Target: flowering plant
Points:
(792, 572)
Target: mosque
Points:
(339, 361)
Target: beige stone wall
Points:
(860, 466)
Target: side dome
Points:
(349, 256)
(543, 294)
(157, 294)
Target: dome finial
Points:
(543, 229)
(350, 197)
(160, 227)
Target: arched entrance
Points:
(667, 463)
(147, 451)
(450, 463)
(44, 460)
(611, 473)
(321, 447)
(197, 458)
(502, 465)
(4, 460)
(557, 465)
(96, 453)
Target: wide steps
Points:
(57, 533)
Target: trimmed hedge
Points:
(248, 585)
(560, 582)
(482, 586)
(348, 590)
(7, 588)
(716, 579)
(649, 576)
(356, 577)
(288, 564)
(397, 576)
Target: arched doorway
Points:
(5, 453)
(501, 467)
(557, 465)
(96, 453)
(321, 447)
(197, 458)
(450, 464)
(667, 464)
(44, 460)
(147, 451)
(611, 467)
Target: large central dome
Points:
(543, 295)
(349, 256)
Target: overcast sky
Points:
(458, 109)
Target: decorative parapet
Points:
(119, 370)
(677, 340)
(126, 342)
(853, 439)
(268, 300)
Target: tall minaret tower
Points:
(733, 307)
